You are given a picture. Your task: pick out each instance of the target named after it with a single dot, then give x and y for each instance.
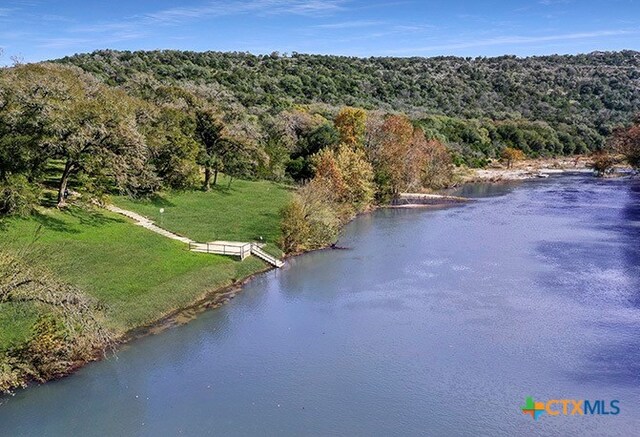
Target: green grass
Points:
(245, 212)
(136, 275)
(16, 321)
(139, 276)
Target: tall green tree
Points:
(97, 136)
(231, 147)
(25, 94)
(213, 145)
(173, 147)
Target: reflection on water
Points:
(483, 189)
(434, 322)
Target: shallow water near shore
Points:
(435, 322)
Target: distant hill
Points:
(591, 92)
(595, 87)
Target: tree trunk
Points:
(215, 176)
(64, 180)
(230, 179)
(207, 179)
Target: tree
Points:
(310, 143)
(351, 124)
(391, 156)
(348, 174)
(627, 143)
(98, 137)
(276, 148)
(231, 147)
(316, 140)
(210, 134)
(311, 220)
(602, 162)
(243, 159)
(511, 155)
(437, 164)
(24, 96)
(173, 148)
(66, 114)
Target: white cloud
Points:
(554, 2)
(62, 43)
(515, 40)
(140, 25)
(260, 7)
(349, 24)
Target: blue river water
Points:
(432, 322)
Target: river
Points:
(433, 322)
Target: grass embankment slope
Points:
(136, 275)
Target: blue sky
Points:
(34, 30)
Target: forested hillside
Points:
(581, 95)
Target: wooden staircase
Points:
(264, 256)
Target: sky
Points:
(35, 30)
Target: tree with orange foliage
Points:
(394, 157)
(510, 155)
(627, 143)
(404, 160)
(350, 123)
(389, 153)
(327, 169)
(437, 168)
(348, 173)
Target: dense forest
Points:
(543, 105)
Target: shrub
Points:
(17, 196)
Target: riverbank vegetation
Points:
(279, 149)
(623, 148)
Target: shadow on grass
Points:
(222, 189)
(49, 199)
(84, 217)
(54, 224)
(156, 200)
(89, 217)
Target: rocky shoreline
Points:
(528, 169)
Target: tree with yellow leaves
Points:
(351, 123)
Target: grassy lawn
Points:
(245, 212)
(139, 276)
(16, 321)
